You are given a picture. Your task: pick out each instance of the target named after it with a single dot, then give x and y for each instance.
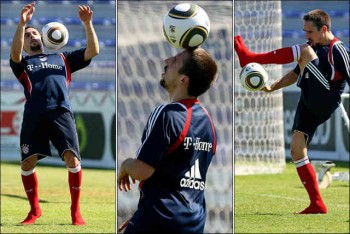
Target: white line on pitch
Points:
(296, 199)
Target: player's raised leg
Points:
(75, 175)
(306, 174)
(278, 56)
(30, 184)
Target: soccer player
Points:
(47, 112)
(178, 144)
(321, 73)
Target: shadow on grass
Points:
(36, 224)
(46, 201)
(22, 197)
(259, 213)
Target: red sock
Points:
(74, 180)
(279, 56)
(307, 176)
(30, 184)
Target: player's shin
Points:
(30, 184)
(307, 176)
(278, 56)
(74, 181)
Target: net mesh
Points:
(142, 49)
(258, 117)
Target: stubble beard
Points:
(35, 48)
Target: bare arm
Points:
(92, 45)
(18, 39)
(290, 78)
(134, 168)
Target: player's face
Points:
(313, 35)
(32, 40)
(170, 77)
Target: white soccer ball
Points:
(186, 25)
(54, 35)
(253, 77)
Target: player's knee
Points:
(29, 163)
(70, 159)
(307, 53)
(298, 146)
(296, 153)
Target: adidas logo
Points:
(192, 178)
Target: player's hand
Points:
(267, 89)
(123, 225)
(27, 13)
(85, 13)
(124, 180)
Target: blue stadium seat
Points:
(64, 20)
(299, 15)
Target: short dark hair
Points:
(30, 26)
(319, 18)
(201, 70)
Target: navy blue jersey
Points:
(334, 65)
(322, 82)
(46, 78)
(179, 141)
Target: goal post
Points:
(141, 50)
(258, 116)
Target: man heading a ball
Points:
(48, 115)
(178, 144)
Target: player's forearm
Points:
(92, 45)
(289, 79)
(17, 43)
(137, 169)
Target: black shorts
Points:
(307, 122)
(56, 126)
(317, 102)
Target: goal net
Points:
(141, 50)
(258, 116)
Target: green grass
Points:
(97, 201)
(266, 203)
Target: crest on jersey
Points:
(25, 148)
(43, 58)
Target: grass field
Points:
(266, 203)
(97, 201)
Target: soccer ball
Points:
(54, 35)
(186, 25)
(253, 77)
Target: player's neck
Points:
(32, 53)
(178, 95)
(329, 37)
